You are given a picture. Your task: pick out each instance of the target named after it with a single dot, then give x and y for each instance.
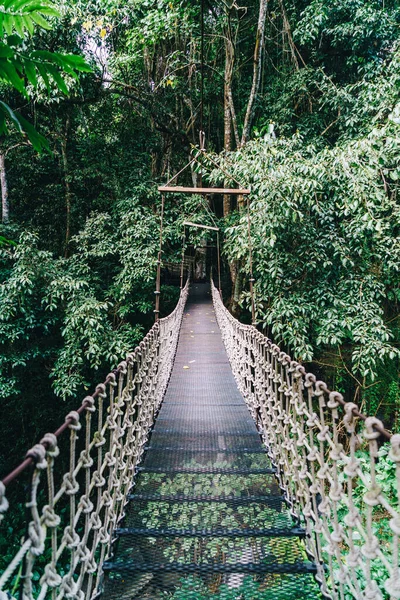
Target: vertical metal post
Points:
(251, 280)
(158, 279)
(219, 265)
(183, 254)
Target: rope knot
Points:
(275, 350)
(3, 500)
(372, 496)
(352, 467)
(50, 441)
(37, 535)
(50, 577)
(303, 474)
(301, 439)
(353, 557)
(312, 455)
(336, 452)
(71, 538)
(300, 371)
(86, 459)
(85, 504)
(324, 506)
(312, 420)
(99, 439)
(107, 499)
(91, 566)
(371, 548)
(371, 433)
(38, 455)
(336, 491)
(314, 488)
(111, 422)
(310, 380)
(394, 452)
(123, 367)
(321, 388)
(69, 587)
(349, 418)
(88, 404)
(323, 472)
(131, 357)
(372, 592)
(352, 519)
(83, 553)
(101, 390)
(98, 479)
(50, 518)
(283, 358)
(70, 483)
(72, 420)
(335, 399)
(392, 585)
(323, 435)
(104, 537)
(112, 379)
(95, 521)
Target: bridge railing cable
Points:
(73, 516)
(313, 438)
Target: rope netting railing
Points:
(329, 460)
(73, 515)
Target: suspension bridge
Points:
(207, 465)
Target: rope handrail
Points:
(312, 437)
(72, 520)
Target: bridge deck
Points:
(206, 519)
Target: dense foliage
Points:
(325, 231)
(305, 108)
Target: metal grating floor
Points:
(205, 518)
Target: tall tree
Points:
(257, 70)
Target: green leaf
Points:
(43, 70)
(9, 74)
(37, 17)
(6, 110)
(30, 72)
(5, 51)
(37, 140)
(58, 80)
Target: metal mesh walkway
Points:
(206, 519)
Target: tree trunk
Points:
(228, 108)
(294, 53)
(228, 112)
(68, 195)
(237, 286)
(257, 69)
(5, 206)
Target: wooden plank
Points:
(179, 189)
(201, 226)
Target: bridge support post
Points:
(183, 254)
(219, 265)
(251, 280)
(158, 278)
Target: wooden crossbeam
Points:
(179, 189)
(201, 226)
